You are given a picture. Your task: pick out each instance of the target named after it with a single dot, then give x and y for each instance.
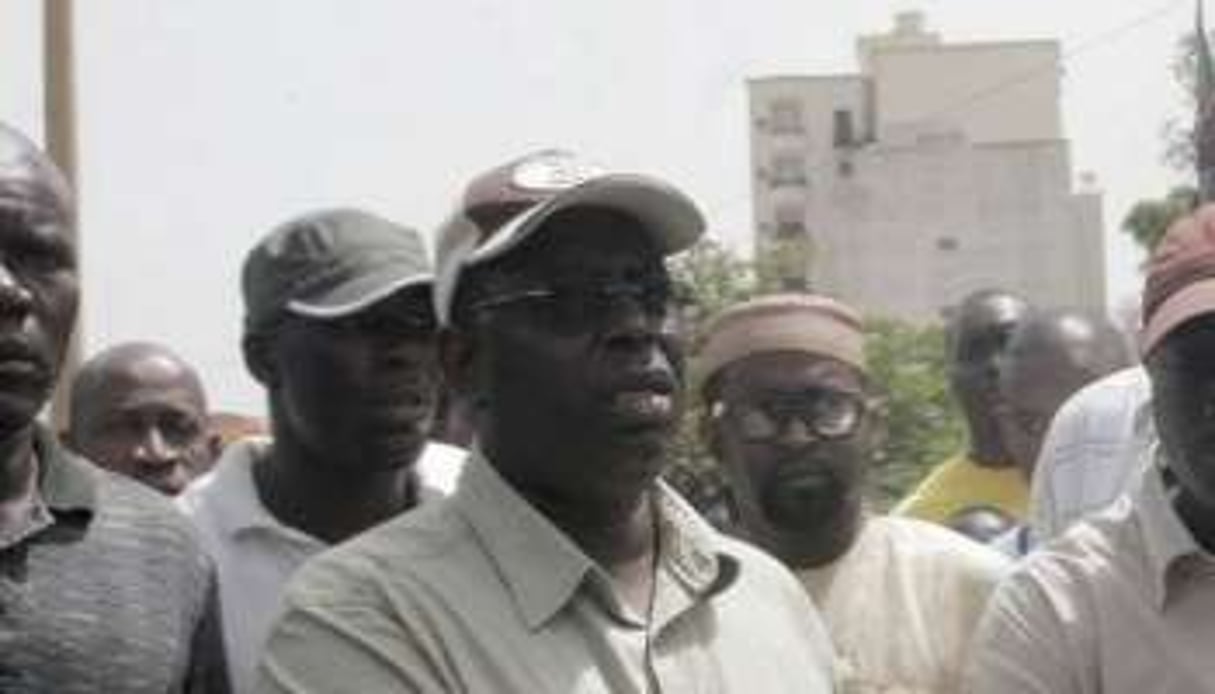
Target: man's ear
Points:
(259, 358)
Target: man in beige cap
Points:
(784, 385)
(1123, 603)
(560, 564)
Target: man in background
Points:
(985, 475)
(784, 383)
(139, 410)
(103, 586)
(340, 331)
(1052, 354)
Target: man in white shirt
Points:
(340, 330)
(784, 383)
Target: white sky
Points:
(205, 122)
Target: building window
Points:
(788, 170)
(845, 168)
(785, 116)
(790, 230)
(842, 133)
(947, 243)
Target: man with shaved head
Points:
(985, 474)
(103, 586)
(1050, 356)
(139, 410)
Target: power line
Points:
(1082, 47)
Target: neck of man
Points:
(621, 538)
(326, 501)
(17, 463)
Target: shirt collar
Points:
(67, 483)
(543, 569)
(1166, 540)
(239, 509)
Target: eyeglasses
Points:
(825, 413)
(578, 306)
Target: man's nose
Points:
(154, 449)
(795, 433)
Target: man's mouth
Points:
(643, 405)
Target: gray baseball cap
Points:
(503, 206)
(330, 264)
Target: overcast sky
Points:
(205, 122)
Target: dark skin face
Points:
(977, 339)
(38, 283)
(798, 494)
(1183, 400)
(575, 408)
(356, 394)
(141, 412)
(1048, 359)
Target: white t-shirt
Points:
(255, 554)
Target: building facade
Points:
(938, 169)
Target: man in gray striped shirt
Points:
(103, 586)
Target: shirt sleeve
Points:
(326, 649)
(1021, 646)
(208, 669)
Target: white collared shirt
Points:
(255, 554)
(1097, 444)
(481, 593)
(1122, 603)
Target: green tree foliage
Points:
(917, 424)
(1149, 219)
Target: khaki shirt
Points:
(480, 593)
(902, 605)
(1123, 603)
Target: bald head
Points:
(27, 174)
(138, 409)
(977, 337)
(1051, 355)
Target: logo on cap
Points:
(552, 171)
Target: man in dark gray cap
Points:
(561, 564)
(340, 330)
(103, 586)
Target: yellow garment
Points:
(958, 484)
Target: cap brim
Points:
(670, 217)
(1195, 300)
(357, 294)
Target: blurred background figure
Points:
(985, 475)
(1051, 355)
(139, 410)
(229, 427)
(980, 523)
(1097, 444)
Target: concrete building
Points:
(938, 169)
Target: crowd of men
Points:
(340, 546)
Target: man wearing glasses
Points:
(560, 564)
(789, 416)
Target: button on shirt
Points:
(1123, 603)
(256, 554)
(480, 593)
(1099, 441)
(902, 606)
